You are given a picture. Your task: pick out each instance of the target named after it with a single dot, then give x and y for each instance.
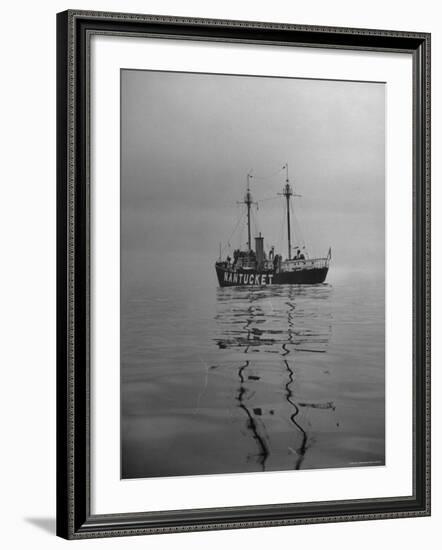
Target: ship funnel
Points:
(259, 249)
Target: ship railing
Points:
(316, 263)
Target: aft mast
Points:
(288, 192)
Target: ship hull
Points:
(311, 276)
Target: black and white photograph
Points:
(252, 296)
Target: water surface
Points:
(223, 380)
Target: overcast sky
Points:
(188, 141)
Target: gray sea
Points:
(243, 379)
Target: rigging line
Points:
(235, 228)
(281, 233)
(255, 222)
(295, 234)
(268, 176)
(268, 199)
(241, 237)
(299, 236)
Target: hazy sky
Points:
(188, 141)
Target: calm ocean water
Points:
(243, 380)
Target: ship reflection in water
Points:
(274, 320)
(253, 379)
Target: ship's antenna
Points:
(248, 201)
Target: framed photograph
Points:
(243, 274)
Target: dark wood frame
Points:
(74, 519)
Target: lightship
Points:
(255, 267)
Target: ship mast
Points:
(248, 201)
(288, 192)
